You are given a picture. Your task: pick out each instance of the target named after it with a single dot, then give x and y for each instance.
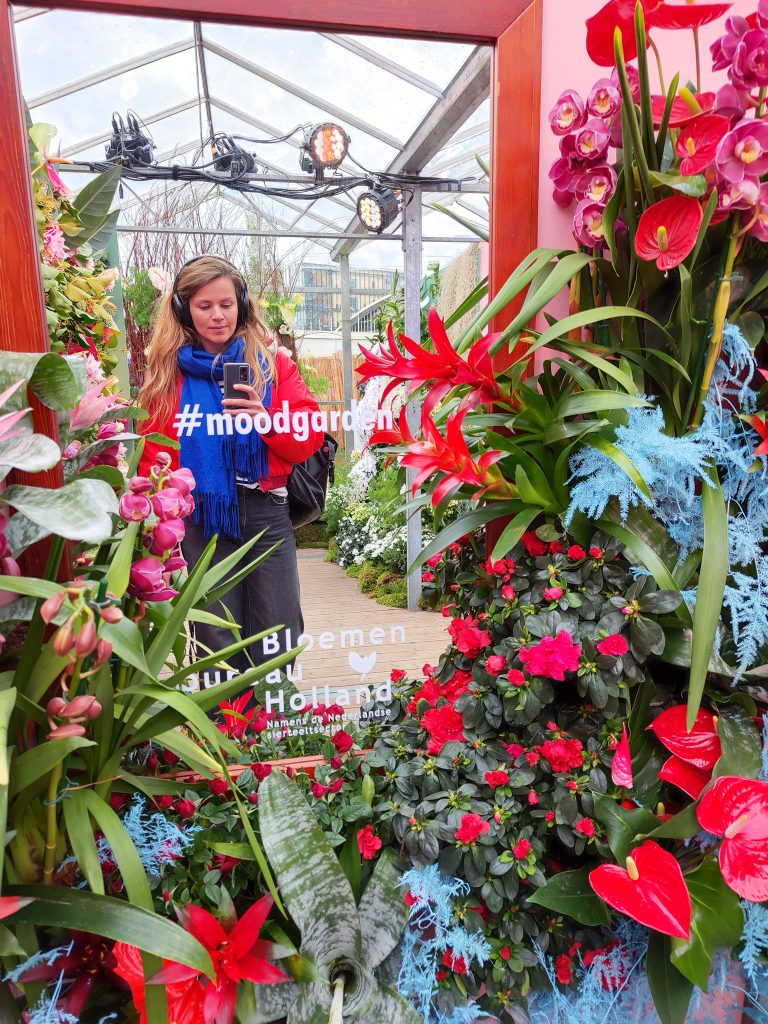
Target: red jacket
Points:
(285, 451)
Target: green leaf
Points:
(31, 453)
(597, 401)
(592, 316)
(126, 639)
(75, 910)
(240, 850)
(623, 826)
(92, 202)
(709, 601)
(695, 185)
(670, 990)
(589, 356)
(383, 913)
(189, 713)
(120, 563)
(474, 298)
(81, 838)
(470, 225)
(80, 510)
(513, 531)
(58, 381)
(29, 586)
(682, 825)
(622, 461)
(569, 892)
(740, 742)
(39, 761)
(324, 911)
(717, 923)
(465, 524)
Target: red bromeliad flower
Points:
(444, 369)
(185, 999)
(237, 952)
(621, 767)
(652, 890)
(449, 455)
(737, 809)
(697, 143)
(236, 718)
(667, 231)
(658, 14)
(760, 426)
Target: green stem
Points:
(760, 111)
(722, 301)
(697, 50)
(659, 65)
(51, 832)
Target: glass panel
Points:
(435, 61)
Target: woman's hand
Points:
(249, 402)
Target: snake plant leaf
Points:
(383, 913)
(389, 1008)
(274, 1001)
(313, 1006)
(313, 885)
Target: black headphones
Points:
(180, 304)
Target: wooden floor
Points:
(355, 641)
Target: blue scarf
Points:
(217, 460)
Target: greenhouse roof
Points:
(409, 105)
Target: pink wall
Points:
(565, 65)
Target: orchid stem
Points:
(51, 833)
(659, 65)
(337, 1006)
(761, 103)
(697, 50)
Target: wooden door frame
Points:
(512, 27)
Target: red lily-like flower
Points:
(685, 776)
(667, 231)
(658, 14)
(444, 369)
(11, 904)
(689, 15)
(621, 766)
(681, 114)
(760, 426)
(236, 718)
(449, 455)
(652, 890)
(697, 143)
(737, 809)
(237, 952)
(695, 753)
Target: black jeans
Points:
(268, 597)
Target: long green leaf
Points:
(465, 524)
(470, 225)
(125, 637)
(187, 710)
(39, 761)
(554, 280)
(29, 586)
(709, 595)
(622, 461)
(591, 316)
(80, 832)
(670, 990)
(120, 564)
(513, 531)
(474, 298)
(383, 914)
(598, 401)
(588, 355)
(73, 909)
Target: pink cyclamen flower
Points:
(588, 225)
(568, 113)
(743, 152)
(604, 99)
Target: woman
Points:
(207, 320)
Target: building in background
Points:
(321, 287)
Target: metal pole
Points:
(346, 348)
(412, 246)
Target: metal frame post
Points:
(412, 247)
(346, 348)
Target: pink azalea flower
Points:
(552, 657)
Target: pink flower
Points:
(741, 195)
(533, 798)
(567, 113)
(53, 242)
(427, 577)
(168, 503)
(588, 224)
(147, 581)
(604, 99)
(749, 67)
(553, 593)
(597, 184)
(743, 152)
(166, 536)
(467, 637)
(614, 645)
(760, 228)
(508, 593)
(495, 664)
(95, 403)
(552, 657)
(471, 828)
(591, 140)
(135, 507)
(522, 849)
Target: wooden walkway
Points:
(355, 641)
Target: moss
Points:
(353, 570)
(368, 576)
(313, 535)
(333, 551)
(397, 599)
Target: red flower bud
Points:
(86, 639)
(51, 607)
(111, 613)
(55, 706)
(64, 640)
(103, 652)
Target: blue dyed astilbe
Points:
(44, 956)
(46, 1011)
(158, 841)
(755, 939)
(674, 468)
(431, 914)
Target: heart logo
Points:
(362, 663)
(652, 890)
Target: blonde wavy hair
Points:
(158, 393)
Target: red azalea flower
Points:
(552, 657)
(368, 843)
(685, 776)
(564, 969)
(516, 677)
(651, 891)
(218, 786)
(237, 952)
(443, 725)
(621, 766)
(533, 545)
(225, 864)
(454, 963)
(495, 664)
(471, 828)
(614, 645)
(585, 827)
(522, 849)
(185, 809)
(468, 637)
(575, 552)
(667, 231)
(697, 143)
(699, 747)
(497, 778)
(563, 755)
(737, 809)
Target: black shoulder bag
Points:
(308, 483)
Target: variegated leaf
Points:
(383, 913)
(315, 890)
(388, 1008)
(274, 1001)
(313, 1006)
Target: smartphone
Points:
(236, 373)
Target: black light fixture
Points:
(131, 145)
(325, 146)
(377, 207)
(230, 158)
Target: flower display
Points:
(552, 657)
(737, 810)
(668, 230)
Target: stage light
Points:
(325, 145)
(129, 146)
(231, 158)
(377, 208)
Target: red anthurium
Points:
(621, 767)
(667, 231)
(681, 112)
(737, 809)
(10, 904)
(602, 26)
(699, 747)
(760, 426)
(448, 455)
(237, 952)
(685, 776)
(698, 141)
(689, 15)
(652, 890)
